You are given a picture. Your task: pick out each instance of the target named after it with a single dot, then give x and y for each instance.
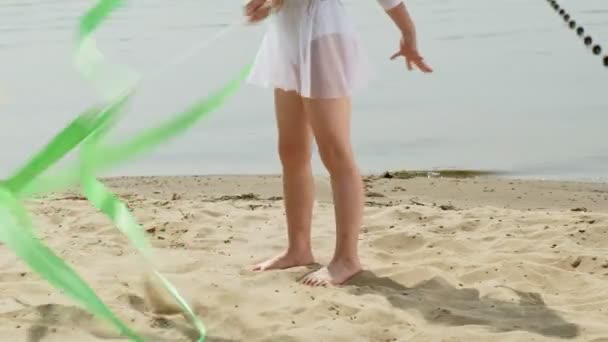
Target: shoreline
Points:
(417, 174)
(418, 179)
(514, 193)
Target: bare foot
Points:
(336, 273)
(285, 260)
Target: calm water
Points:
(514, 89)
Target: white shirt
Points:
(389, 4)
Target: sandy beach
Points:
(447, 259)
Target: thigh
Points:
(333, 66)
(293, 122)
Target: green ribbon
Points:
(116, 84)
(62, 144)
(88, 127)
(110, 80)
(65, 141)
(104, 200)
(96, 15)
(113, 155)
(16, 231)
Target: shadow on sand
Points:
(441, 303)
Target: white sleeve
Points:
(389, 4)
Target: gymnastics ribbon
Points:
(59, 274)
(112, 155)
(88, 129)
(105, 201)
(100, 196)
(111, 80)
(16, 229)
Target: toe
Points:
(258, 267)
(313, 280)
(321, 283)
(310, 280)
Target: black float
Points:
(580, 31)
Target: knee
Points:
(294, 153)
(337, 157)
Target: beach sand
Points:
(482, 259)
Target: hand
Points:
(258, 10)
(409, 50)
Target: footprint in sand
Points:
(399, 241)
(46, 319)
(159, 302)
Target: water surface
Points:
(514, 88)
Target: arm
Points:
(397, 11)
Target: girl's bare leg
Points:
(330, 121)
(295, 151)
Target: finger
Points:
(251, 19)
(254, 5)
(396, 54)
(415, 57)
(408, 62)
(426, 68)
(249, 7)
(262, 6)
(423, 66)
(259, 15)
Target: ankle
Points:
(346, 260)
(299, 250)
